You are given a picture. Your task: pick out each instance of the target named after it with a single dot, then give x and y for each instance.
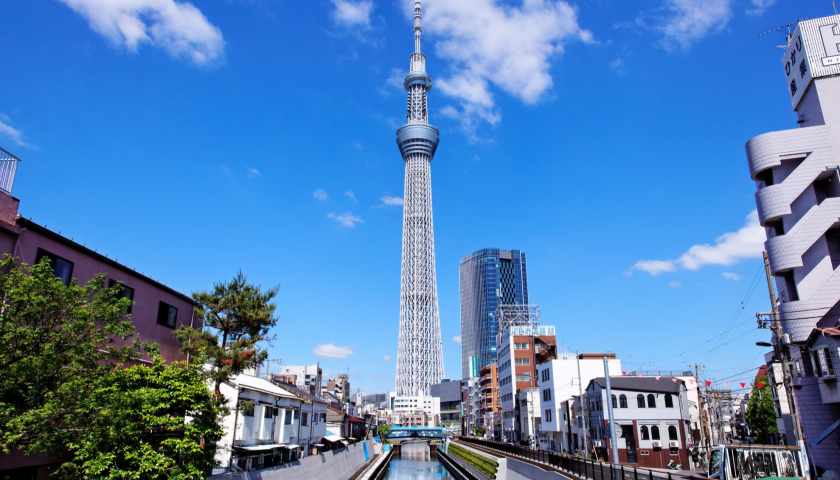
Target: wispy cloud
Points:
(382, 375)
(674, 284)
(253, 172)
(759, 6)
(346, 219)
(689, 21)
(387, 358)
(12, 133)
(351, 195)
(390, 201)
(457, 339)
(618, 66)
(321, 195)
(331, 351)
(394, 83)
(731, 276)
(729, 249)
(349, 13)
(179, 28)
(489, 43)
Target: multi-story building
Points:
(521, 349)
(340, 387)
(798, 202)
(529, 417)
(652, 414)
(303, 377)
(571, 430)
(472, 405)
(489, 277)
(448, 394)
(561, 379)
(406, 404)
(489, 413)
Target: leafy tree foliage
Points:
(241, 315)
(383, 430)
(761, 417)
(65, 389)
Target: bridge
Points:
(417, 434)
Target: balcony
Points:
(8, 168)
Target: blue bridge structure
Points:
(414, 434)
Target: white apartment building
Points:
(408, 404)
(304, 377)
(530, 416)
(275, 428)
(652, 415)
(560, 380)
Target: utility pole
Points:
(583, 404)
(612, 426)
(782, 350)
(703, 439)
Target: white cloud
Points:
(691, 20)
(321, 195)
(346, 219)
(351, 195)
(348, 13)
(490, 44)
(394, 83)
(457, 339)
(382, 375)
(674, 284)
(387, 358)
(11, 133)
(331, 351)
(618, 66)
(253, 172)
(391, 201)
(729, 249)
(179, 28)
(759, 6)
(731, 276)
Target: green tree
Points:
(383, 430)
(761, 415)
(241, 315)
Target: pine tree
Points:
(761, 417)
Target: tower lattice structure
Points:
(420, 350)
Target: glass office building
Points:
(489, 277)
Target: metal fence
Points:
(580, 467)
(8, 168)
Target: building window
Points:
(645, 433)
(323, 418)
(269, 412)
(614, 401)
(62, 267)
(522, 346)
(817, 365)
(622, 401)
(523, 361)
(526, 377)
(548, 415)
(654, 432)
(305, 419)
(167, 315)
(672, 433)
(829, 365)
(669, 401)
(651, 401)
(247, 408)
(640, 401)
(790, 286)
(546, 376)
(547, 394)
(288, 418)
(125, 291)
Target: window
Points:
(526, 377)
(622, 401)
(547, 394)
(614, 402)
(640, 401)
(305, 419)
(167, 315)
(522, 346)
(247, 408)
(548, 415)
(654, 432)
(651, 401)
(829, 365)
(546, 375)
(269, 412)
(815, 355)
(323, 418)
(62, 267)
(288, 418)
(125, 292)
(672, 433)
(523, 361)
(644, 433)
(669, 401)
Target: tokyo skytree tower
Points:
(420, 350)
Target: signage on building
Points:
(474, 367)
(813, 52)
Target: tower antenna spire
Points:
(418, 28)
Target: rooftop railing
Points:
(8, 168)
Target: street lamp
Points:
(763, 344)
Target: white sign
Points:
(813, 52)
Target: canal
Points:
(415, 463)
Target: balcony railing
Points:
(8, 168)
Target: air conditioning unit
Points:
(674, 444)
(597, 443)
(657, 444)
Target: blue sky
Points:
(604, 138)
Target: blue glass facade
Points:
(489, 277)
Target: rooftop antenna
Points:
(835, 7)
(780, 28)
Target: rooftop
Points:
(644, 384)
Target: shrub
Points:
(479, 462)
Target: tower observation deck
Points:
(420, 350)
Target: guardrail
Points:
(580, 467)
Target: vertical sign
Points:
(813, 52)
(474, 367)
(797, 70)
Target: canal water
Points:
(415, 463)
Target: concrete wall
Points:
(334, 465)
(517, 470)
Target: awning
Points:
(319, 445)
(333, 438)
(257, 448)
(291, 447)
(332, 432)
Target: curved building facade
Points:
(419, 349)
